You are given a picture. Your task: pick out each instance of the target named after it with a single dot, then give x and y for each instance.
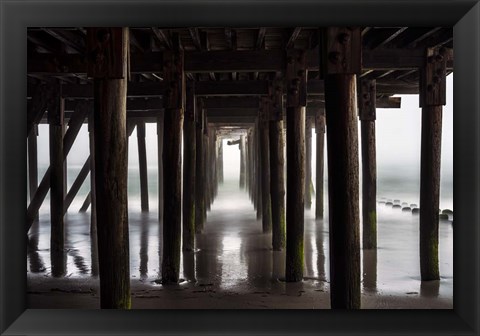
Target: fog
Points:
(398, 133)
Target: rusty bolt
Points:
(103, 35)
(334, 57)
(343, 38)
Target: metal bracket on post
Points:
(320, 121)
(174, 78)
(296, 75)
(342, 48)
(433, 78)
(107, 48)
(367, 100)
(276, 98)
(56, 106)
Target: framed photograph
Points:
(245, 288)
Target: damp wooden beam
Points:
(57, 176)
(264, 115)
(81, 177)
(242, 161)
(277, 168)
(319, 165)
(110, 72)
(296, 78)
(432, 99)
(367, 116)
(92, 194)
(74, 125)
(229, 61)
(160, 134)
(308, 162)
(199, 167)
(174, 76)
(342, 140)
(228, 90)
(189, 157)
(33, 163)
(220, 162)
(142, 162)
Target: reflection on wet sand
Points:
(233, 256)
(369, 270)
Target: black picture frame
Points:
(16, 16)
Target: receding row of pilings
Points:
(262, 172)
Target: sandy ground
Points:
(234, 266)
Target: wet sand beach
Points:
(234, 267)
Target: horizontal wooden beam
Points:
(222, 88)
(229, 61)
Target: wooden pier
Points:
(263, 89)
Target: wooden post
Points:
(432, 97)
(265, 165)
(57, 177)
(220, 161)
(160, 132)
(296, 102)
(341, 60)
(199, 169)
(33, 164)
(258, 172)
(320, 134)
(241, 145)
(108, 64)
(172, 162)
(189, 151)
(74, 125)
(208, 171)
(308, 163)
(367, 114)
(92, 194)
(142, 162)
(277, 171)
